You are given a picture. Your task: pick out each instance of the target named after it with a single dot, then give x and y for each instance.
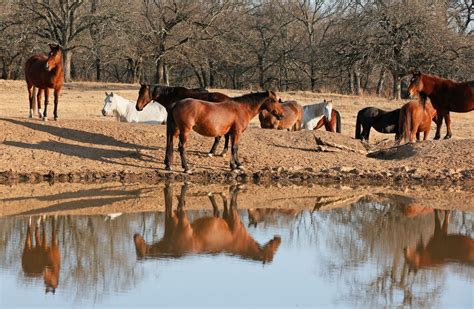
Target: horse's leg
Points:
(31, 98)
(212, 152)
(56, 101)
(171, 133)
(183, 138)
(38, 102)
(233, 165)
(447, 120)
(235, 148)
(418, 136)
(425, 134)
(46, 101)
(439, 123)
(215, 209)
(226, 145)
(366, 132)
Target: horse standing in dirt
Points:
(216, 119)
(445, 95)
(313, 113)
(414, 119)
(292, 117)
(42, 258)
(45, 73)
(442, 248)
(333, 125)
(382, 121)
(124, 110)
(167, 96)
(208, 235)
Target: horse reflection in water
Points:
(442, 248)
(209, 235)
(42, 258)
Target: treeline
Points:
(345, 46)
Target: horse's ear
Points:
(53, 46)
(111, 94)
(106, 93)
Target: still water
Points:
(369, 253)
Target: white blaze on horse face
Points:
(107, 105)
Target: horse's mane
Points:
(252, 98)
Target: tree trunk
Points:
(159, 71)
(380, 84)
(67, 55)
(260, 72)
(396, 92)
(351, 82)
(98, 69)
(212, 81)
(166, 74)
(357, 82)
(204, 78)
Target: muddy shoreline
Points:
(341, 175)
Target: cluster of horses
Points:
(214, 114)
(415, 117)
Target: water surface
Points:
(369, 253)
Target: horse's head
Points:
(54, 57)
(416, 85)
(413, 257)
(272, 105)
(108, 103)
(144, 97)
(270, 249)
(254, 216)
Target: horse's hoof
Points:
(45, 118)
(210, 155)
(168, 168)
(447, 137)
(188, 171)
(436, 138)
(224, 154)
(56, 118)
(241, 167)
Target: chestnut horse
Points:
(167, 96)
(333, 125)
(206, 235)
(382, 121)
(441, 249)
(45, 73)
(216, 119)
(292, 117)
(414, 119)
(445, 95)
(42, 258)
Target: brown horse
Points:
(42, 258)
(414, 119)
(445, 95)
(334, 125)
(216, 119)
(167, 96)
(206, 235)
(45, 73)
(442, 248)
(292, 117)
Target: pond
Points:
(200, 249)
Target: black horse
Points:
(382, 121)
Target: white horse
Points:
(314, 112)
(124, 110)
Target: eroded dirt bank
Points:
(104, 151)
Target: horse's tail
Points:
(404, 126)
(170, 130)
(338, 122)
(358, 127)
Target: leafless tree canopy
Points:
(346, 46)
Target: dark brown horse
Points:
(292, 117)
(167, 96)
(334, 125)
(442, 248)
(414, 119)
(42, 258)
(445, 95)
(216, 119)
(206, 235)
(45, 73)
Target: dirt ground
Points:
(85, 146)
